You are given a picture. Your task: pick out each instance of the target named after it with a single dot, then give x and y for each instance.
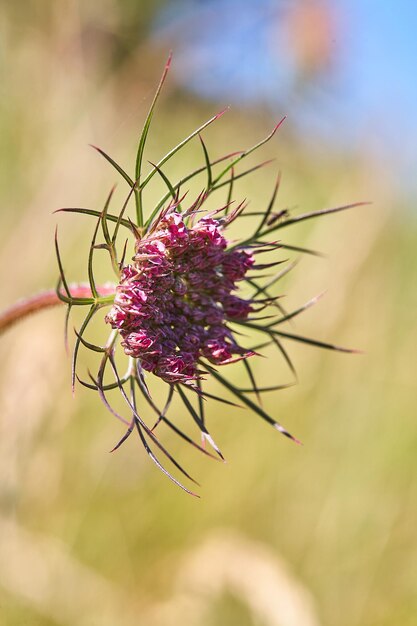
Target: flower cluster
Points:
(189, 301)
(172, 305)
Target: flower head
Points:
(179, 306)
(173, 302)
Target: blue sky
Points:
(223, 53)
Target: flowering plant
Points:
(178, 308)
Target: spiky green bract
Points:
(138, 311)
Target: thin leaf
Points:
(84, 325)
(178, 147)
(307, 216)
(161, 414)
(188, 439)
(109, 245)
(100, 389)
(116, 166)
(61, 269)
(166, 181)
(274, 340)
(307, 340)
(89, 345)
(67, 316)
(200, 402)
(267, 213)
(265, 389)
(274, 279)
(122, 260)
(208, 164)
(125, 436)
(315, 342)
(106, 233)
(251, 404)
(285, 356)
(90, 262)
(180, 183)
(198, 421)
(142, 142)
(296, 312)
(205, 394)
(109, 387)
(250, 170)
(159, 464)
(248, 151)
(285, 246)
(252, 380)
(94, 213)
(230, 191)
(141, 425)
(120, 216)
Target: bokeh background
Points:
(321, 535)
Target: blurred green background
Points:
(323, 534)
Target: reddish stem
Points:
(43, 300)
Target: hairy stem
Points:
(43, 300)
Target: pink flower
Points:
(179, 308)
(177, 295)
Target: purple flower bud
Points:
(176, 311)
(172, 305)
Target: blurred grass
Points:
(113, 533)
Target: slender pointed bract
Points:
(62, 279)
(142, 142)
(188, 300)
(116, 166)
